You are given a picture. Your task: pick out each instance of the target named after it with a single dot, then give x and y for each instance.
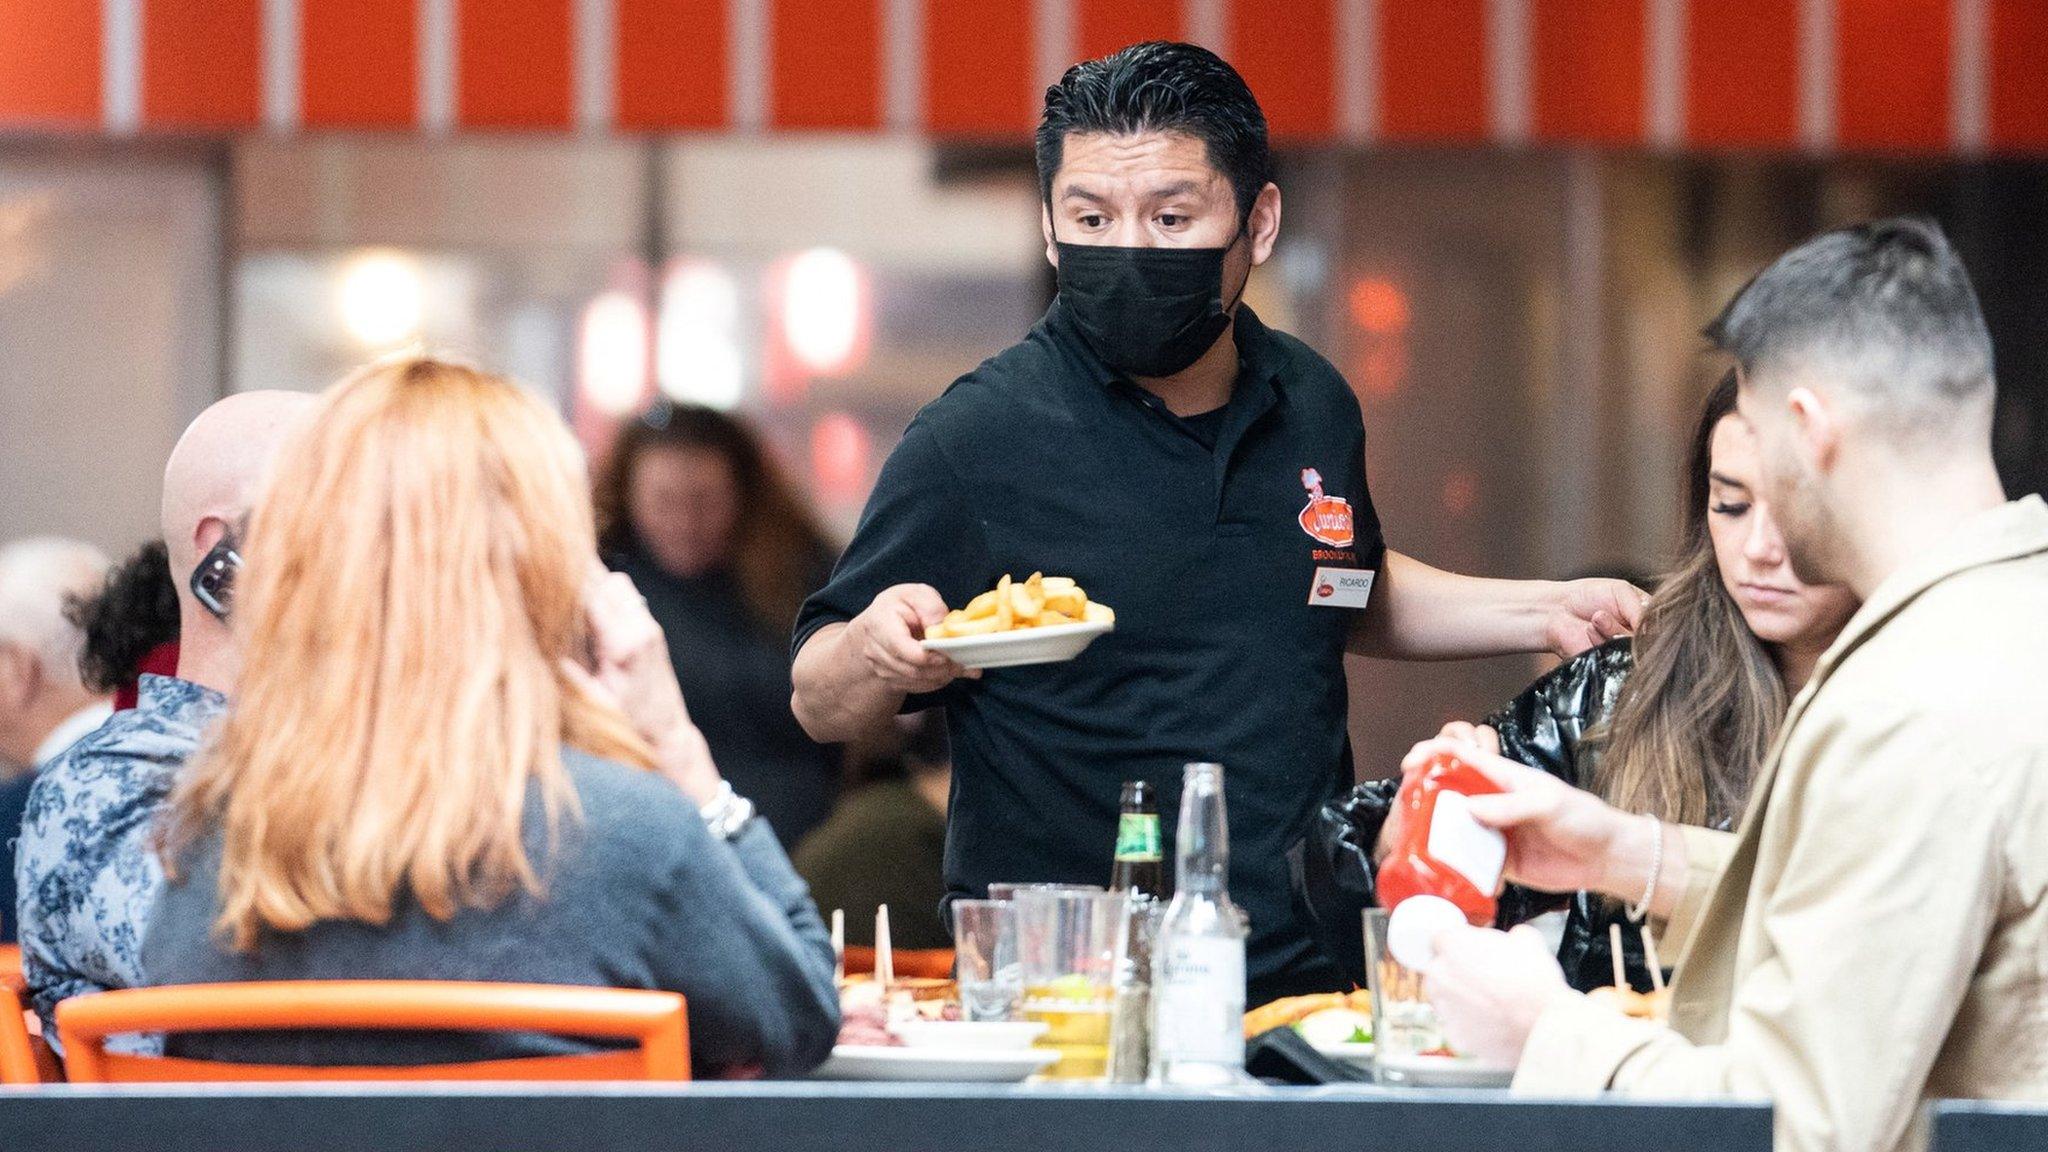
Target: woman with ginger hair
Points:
(458, 752)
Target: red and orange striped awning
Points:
(1924, 76)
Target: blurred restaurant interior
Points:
(1504, 222)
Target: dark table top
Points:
(1982, 1126)
(839, 1117)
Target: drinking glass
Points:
(1008, 889)
(1408, 1042)
(985, 959)
(1071, 945)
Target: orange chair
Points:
(918, 963)
(17, 1050)
(658, 1020)
(24, 1058)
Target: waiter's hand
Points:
(1489, 988)
(886, 637)
(1589, 613)
(1560, 838)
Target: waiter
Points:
(1195, 470)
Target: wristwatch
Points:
(727, 813)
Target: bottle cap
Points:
(1413, 926)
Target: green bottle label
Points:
(1137, 837)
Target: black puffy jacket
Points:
(1334, 870)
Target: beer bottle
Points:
(1139, 867)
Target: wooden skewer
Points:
(885, 958)
(1650, 952)
(1614, 946)
(839, 945)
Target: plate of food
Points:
(956, 1065)
(1442, 1069)
(911, 1031)
(1039, 620)
(1336, 1024)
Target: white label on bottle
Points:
(1198, 1003)
(1462, 843)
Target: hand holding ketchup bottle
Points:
(1446, 866)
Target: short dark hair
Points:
(1161, 86)
(134, 612)
(1888, 302)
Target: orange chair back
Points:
(916, 963)
(24, 1058)
(17, 1050)
(657, 1020)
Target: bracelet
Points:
(727, 813)
(1642, 909)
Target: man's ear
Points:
(1052, 250)
(1816, 430)
(1264, 224)
(206, 534)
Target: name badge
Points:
(1341, 587)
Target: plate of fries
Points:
(1041, 620)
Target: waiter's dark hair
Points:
(1161, 86)
(1885, 308)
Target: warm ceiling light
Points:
(611, 356)
(824, 310)
(382, 299)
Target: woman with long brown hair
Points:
(457, 752)
(692, 506)
(1674, 722)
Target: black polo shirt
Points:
(1042, 459)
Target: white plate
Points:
(863, 1062)
(969, 1035)
(1359, 1055)
(1443, 1072)
(1048, 645)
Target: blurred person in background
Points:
(695, 510)
(1675, 721)
(886, 842)
(44, 705)
(457, 751)
(130, 626)
(89, 876)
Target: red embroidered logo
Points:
(1325, 592)
(1327, 518)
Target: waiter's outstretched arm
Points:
(851, 677)
(1424, 613)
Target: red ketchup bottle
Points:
(1446, 866)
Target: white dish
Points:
(1442, 1072)
(969, 1035)
(1048, 645)
(1358, 1055)
(863, 1062)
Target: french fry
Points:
(1037, 601)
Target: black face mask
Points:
(1147, 312)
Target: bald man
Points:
(87, 875)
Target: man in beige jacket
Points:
(1876, 933)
